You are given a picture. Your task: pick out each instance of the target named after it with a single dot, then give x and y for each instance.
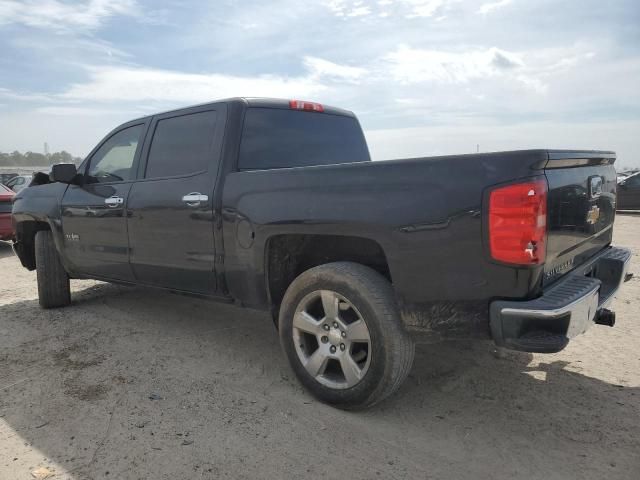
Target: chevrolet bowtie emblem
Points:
(593, 215)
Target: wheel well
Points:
(290, 255)
(25, 242)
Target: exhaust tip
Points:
(606, 317)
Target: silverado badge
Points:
(559, 269)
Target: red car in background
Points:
(6, 228)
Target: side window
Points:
(113, 161)
(181, 145)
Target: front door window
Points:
(113, 162)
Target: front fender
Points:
(38, 208)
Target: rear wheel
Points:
(53, 281)
(342, 333)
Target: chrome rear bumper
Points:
(566, 309)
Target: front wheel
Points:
(342, 333)
(53, 281)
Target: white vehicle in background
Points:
(624, 175)
(19, 183)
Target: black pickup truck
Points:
(276, 205)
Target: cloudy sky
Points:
(425, 77)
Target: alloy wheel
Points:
(331, 339)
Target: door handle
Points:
(194, 199)
(114, 201)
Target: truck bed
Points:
(427, 214)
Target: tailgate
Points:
(581, 208)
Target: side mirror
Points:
(63, 173)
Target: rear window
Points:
(275, 138)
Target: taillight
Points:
(309, 106)
(518, 223)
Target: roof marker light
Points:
(308, 106)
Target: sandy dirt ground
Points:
(132, 383)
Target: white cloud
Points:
(131, 84)
(491, 6)
(63, 111)
(25, 97)
(425, 8)
(437, 82)
(58, 15)
(385, 8)
(410, 65)
(137, 84)
(324, 68)
(340, 8)
(359, 11)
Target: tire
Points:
(53, 281)
(345, 377)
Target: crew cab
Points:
(276, 205)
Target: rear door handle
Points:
(114, 201)
(194, 199)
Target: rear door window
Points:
(278, 138)
(181, 145)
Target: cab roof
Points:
(259, 102)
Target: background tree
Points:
(34, 159)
